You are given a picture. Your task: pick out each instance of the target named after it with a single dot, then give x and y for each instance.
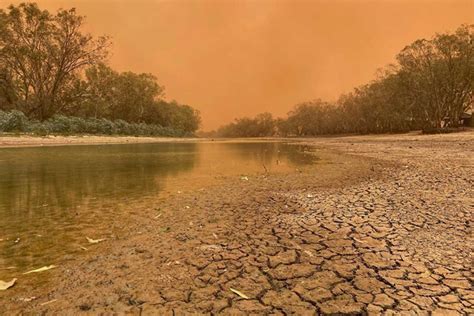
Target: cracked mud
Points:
(384, 228)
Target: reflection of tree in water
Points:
(270, 154)
(63, 175)
(43, 189)
(299, 154)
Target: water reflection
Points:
(62, 176)
(274, 154)
(49, 197)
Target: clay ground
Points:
(382, 226)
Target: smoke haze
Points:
(239, 58)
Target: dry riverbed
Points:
(382, 226)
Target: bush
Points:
(38, 128)
(16, 121)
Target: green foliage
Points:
(16, 121)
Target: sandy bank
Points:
(35, 141)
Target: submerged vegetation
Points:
(53, 79)
(431, 87)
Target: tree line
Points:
(429, 87)
(50, 67)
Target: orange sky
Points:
(231, 58)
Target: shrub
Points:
(16, 121)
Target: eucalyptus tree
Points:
(439, 75)
(133, 97)
(119, 95)
(310, 118)
(43, 54)
(172, 114)
(8, 95)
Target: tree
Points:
(262, 125)
(127, 95)
(44, 54)
(439, 75)
(8, 95)
(265, 124)
(175, 115)
(134, 98)
(308, 118)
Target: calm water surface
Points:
(52, 197)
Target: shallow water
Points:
(52, 197)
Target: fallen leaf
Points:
(27, 299)
(46, 268)
(296, 245)
(6, 285)
(308, 253)
(242, 295)
(94, 241)
(244, 178)
(48, 302)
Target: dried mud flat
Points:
(383, 227)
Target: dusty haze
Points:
(239, 58)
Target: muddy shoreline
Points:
(384, 227)
(10, 141)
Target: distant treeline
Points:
(429, 88)
(51, 70)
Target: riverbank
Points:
(10, 141)
(384, 226)
(35, 141)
